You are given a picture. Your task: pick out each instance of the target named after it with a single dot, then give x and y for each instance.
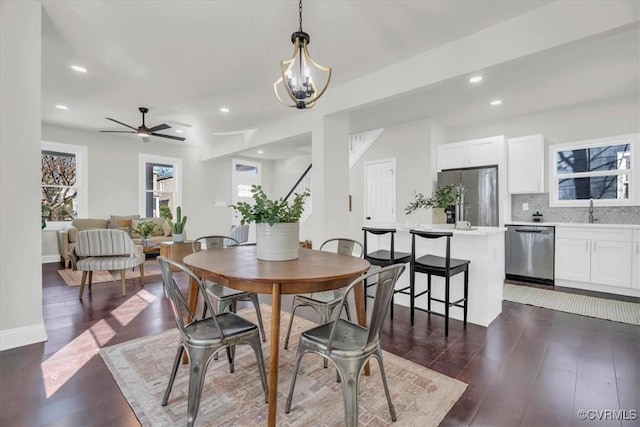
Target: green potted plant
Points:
(144, 229)
(445, 197)
(178, 225)
(277, 223)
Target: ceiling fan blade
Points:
(168, 136)
(119, 131)
(160, 127)
(145, 139)
(120, 123)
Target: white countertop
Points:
(576, 225)
(473, 231)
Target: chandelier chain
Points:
(300, 12)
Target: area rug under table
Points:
(141, 368)
(74, 278)
(602, 308)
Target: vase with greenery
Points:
(178, 225)
(445, 197)
(277, 223)
(144, 229)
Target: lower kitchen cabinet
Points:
(594, 256)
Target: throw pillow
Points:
(166, 228)
(114, 219)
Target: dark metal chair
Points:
(202, 338)
(226, 298)
(384, 257)
(349, 346)
(324, 303)
(433, 265)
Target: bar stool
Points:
(383, 258)
(433, 265)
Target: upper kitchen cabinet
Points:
(526, 164)
(467, 154)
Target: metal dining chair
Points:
(349, 346)
(324, 303)
(226, 298)
(202, 338)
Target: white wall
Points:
(20, 245)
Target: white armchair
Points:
(106, 249)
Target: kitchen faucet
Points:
(591, 218)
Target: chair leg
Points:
(198, 361)
(446, 306)
(256, 305)
(350, 372)
(429, 292)
(82, 283)
(412, 292)
(123, 273)
(392, 410)
(90, 280)
(466, 295)
(231, 352)
(300, 353)
(172, 377)
(392, 304)
(294, 306)
(141, 268)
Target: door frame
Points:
(366, 185)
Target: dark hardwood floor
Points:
(531, 366)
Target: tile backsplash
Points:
(540, 203)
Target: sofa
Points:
(67, 236)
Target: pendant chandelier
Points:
(299, 76)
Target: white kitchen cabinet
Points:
(600, 256)
(476, 152)
(526, 164)
(635, 257)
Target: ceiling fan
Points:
(143, 130)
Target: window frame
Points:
(633, 172)
(81, 152)
(175, 162)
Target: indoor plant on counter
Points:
(445, 197)
(277, 224)
(178, 226)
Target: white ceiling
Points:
(185, 59)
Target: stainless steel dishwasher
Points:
(530, 253)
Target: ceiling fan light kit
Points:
(143, 130)
(299, 76)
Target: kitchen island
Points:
(483, 246)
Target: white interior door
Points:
(380, 191)
(244, 174)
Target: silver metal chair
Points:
(202, 338)
(324, 303)
(226, 298)
(349, 346)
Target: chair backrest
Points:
(240, 233)
(178, 302)
(344, 246)
(432, 235)
(386, 279)
(379, 232)
(103, 242)
(214, 242)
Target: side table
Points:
(177, 251)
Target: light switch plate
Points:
(525, 206)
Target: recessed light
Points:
(62, 107)
(260, 152)
(224, 109)
(475, 79)
(178, 130)
(79, 68)
(496, 102)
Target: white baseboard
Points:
(46, 259)
(25, 335)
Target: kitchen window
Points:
(602, 170)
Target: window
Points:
(63, 178)
(160, 179)
(602, 170)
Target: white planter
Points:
(277, 242)
(178, 238)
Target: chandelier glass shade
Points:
(302, 81)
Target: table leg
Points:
(359, 296)
(274, 354)
(192, 301)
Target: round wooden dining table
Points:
(313, 271)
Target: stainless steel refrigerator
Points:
(481, 193)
